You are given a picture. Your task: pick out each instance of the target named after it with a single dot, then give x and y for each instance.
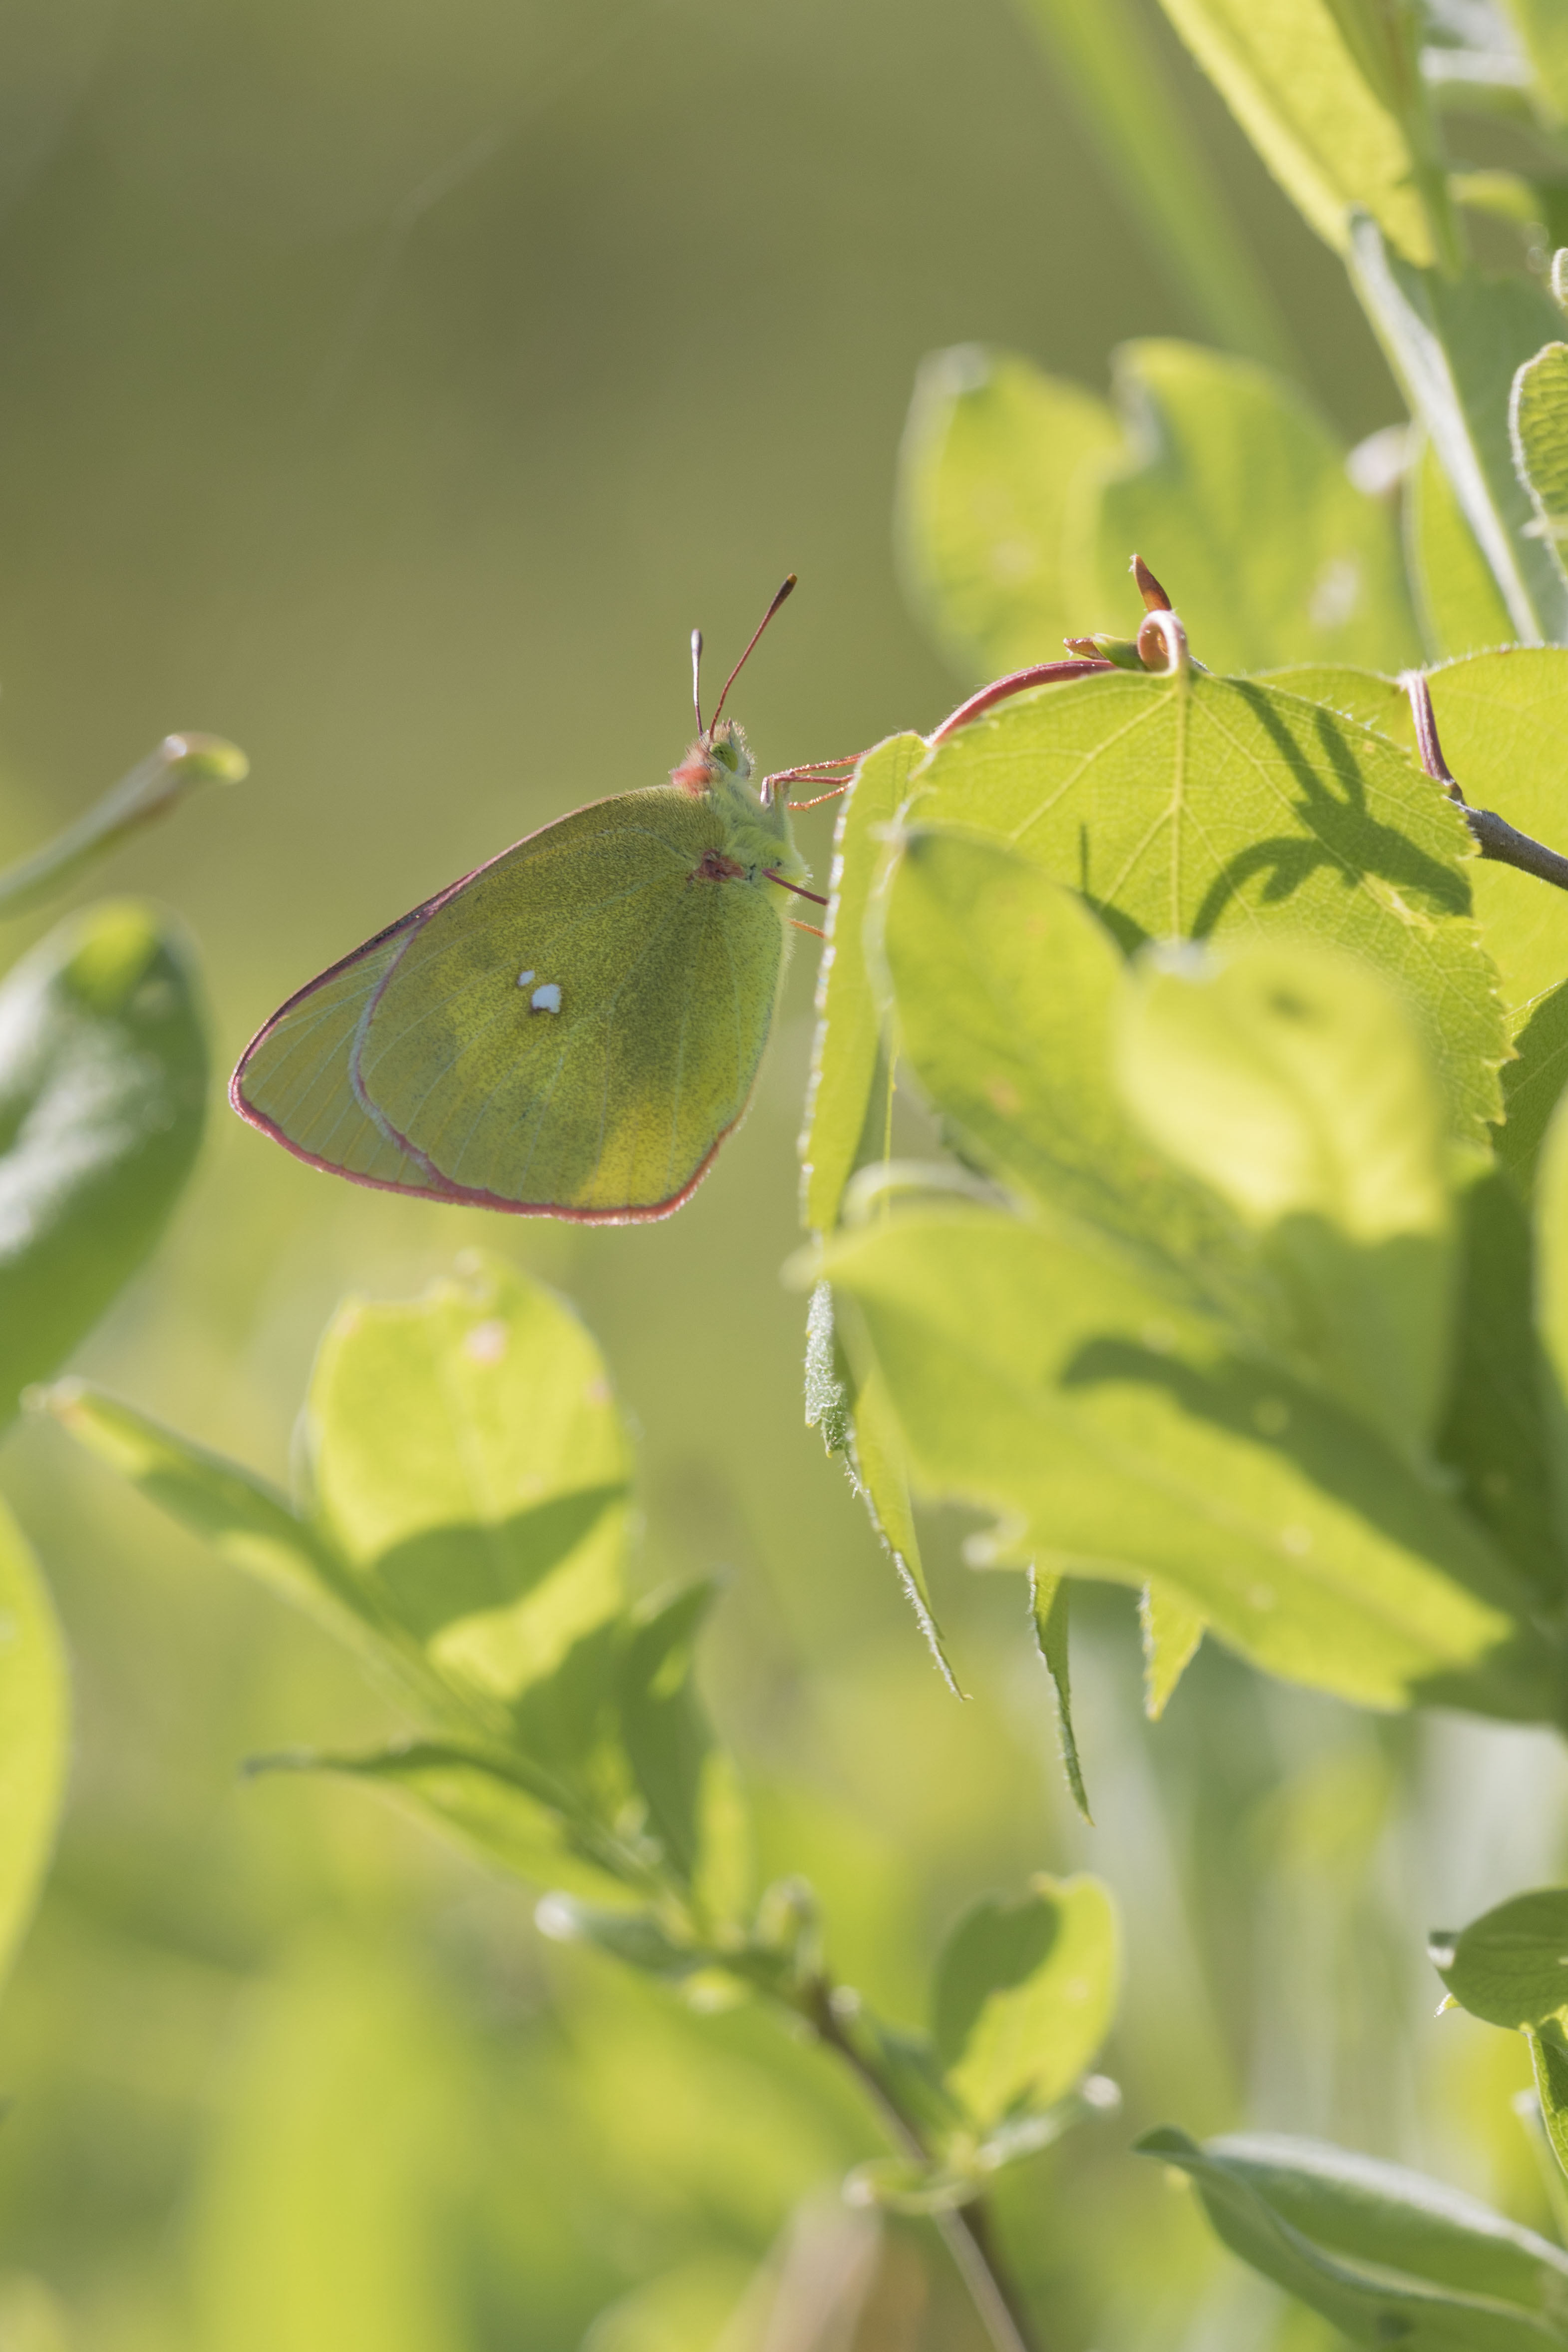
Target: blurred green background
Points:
(390, 388)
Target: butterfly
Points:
(572, 1029)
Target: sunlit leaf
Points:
(245, 1520)
(180, 766)
(996, 484)
(35, 1708)
(1457, 600)
(1386, 2255)
(1024, 1996)
(1172, 1630)
(1545, 36)
(1235, 491)
(694, 1807)
(103, 1074)
(1292, 1082)
(1539, 419)
(844, 1056)
(1455, 344)
(1533, 1086)
(1199, 810)
(1291, 75)
(471, 1466)
(1112, 1432)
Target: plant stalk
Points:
(967, 2231)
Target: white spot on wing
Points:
(523, 977)
(546, 999)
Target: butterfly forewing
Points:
(573, 1029)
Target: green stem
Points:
(966, 2232)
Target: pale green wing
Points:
(576, 1027)
(294, 1080)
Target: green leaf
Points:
(103, 1074)
(881, 1474)
(1537, 420)
(1196, 809)
(1112, 1432)
(1532, 1085)
(181, 766)
(997, 483)
(1509, 1966)
(35, 1730)
(636, 1939)
(1049, 1613)
(1172, 1630)
(1497, 1433)
(1236, 493)
(1502, 717)
(1387, 2256)
(1160, 170)
(471, 1466)
(248, 1522)
(844, 1054)
(1545, 37)
(1457, 600)
(1024, 1997)
(1293, 75)
(506, 1810)
(1454, 345)
(1293, 1083)
(694, 1807)
(1549, 2059)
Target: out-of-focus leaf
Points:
(1458, 600)
(1292, 1083)
(694, 1809)
(844, 1054)
(35, 1710)
(1024, 1996)
(684, 2310)
(1538, 418)
(1237, 492)
(1454, 345)
(997, 479)
(1160, 171)
(1293, 76)
(1551, 1210)
(1112, 1432)
(1502, 718)
(506, 1810)
(1196, 809)
(470, 1465)
(1049, 1612)
(1533, 1086)
(103, 1076)
(635, 1937)
(1544, 34)
(246, 1520)
(319, 2222)
(1496, 1430)
(1509, 1966)
(1172, 1630)
(179, 765)
(1388, 2256)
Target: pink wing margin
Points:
(436, 1187)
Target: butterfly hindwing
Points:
(572, 1030)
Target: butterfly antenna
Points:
(697, 678)
(786, 590)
